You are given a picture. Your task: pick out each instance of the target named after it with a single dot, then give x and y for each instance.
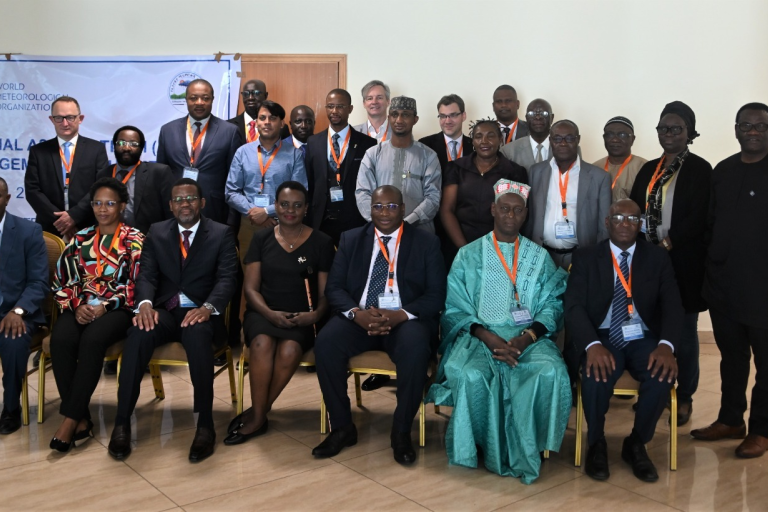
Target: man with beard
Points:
(621, 164)
(254, 93)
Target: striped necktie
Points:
(619, 311)
(378, 276)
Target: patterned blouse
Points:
(77, 281)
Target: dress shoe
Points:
(717, 431)
(120, 442)
(221, 360)
(110, 367)
(202, 444)
(84, 434)
(752, 447)
(61, 446)
(236, 421)
(237, 437)
(374, 382)
(402, 447)
(597, 461)
(36, 359)
(684, 411)
(10, 422)
(338, 439)
(633, 452)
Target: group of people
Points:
(560, 270)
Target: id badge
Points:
(191, 173)
(389, 301)
(261, 200)
(185, 302)
(643, 228)
(96, 301)
(565, 230)
(337, 194)
(521, 315)
(632, 330)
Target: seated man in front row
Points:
(387, 286)
(188, 276)
(629, 320)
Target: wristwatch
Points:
(19, 311)
(351, 313)
(209, 307)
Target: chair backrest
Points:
(55, 246)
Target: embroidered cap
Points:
(511, 187)
(622, 120)
(403, 103)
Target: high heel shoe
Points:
(83, 434)
(236, 437)
(60, 446)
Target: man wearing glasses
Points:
(60, 172)
(621, 164)
(254, 93)
(450, 143)
(534, 147)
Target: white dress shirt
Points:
(382, 130)
(509, 127)
(342, 137)
(544, 148)
(297, 143)
(203, 124)
(554, 209)
(247, 119)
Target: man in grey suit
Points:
(569, 198)
(534, 147)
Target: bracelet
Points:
(532, 334)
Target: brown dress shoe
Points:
(717, 431)
(753, 446)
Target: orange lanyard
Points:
(511, 273)
(194, 142)
(512, 131)
(265, 168)
(183, 249)
(627, 285)
(127, 176)
(97, 249)
(339, 159)
(391, 261)
(374, 133)
(621, 169)
(458, 154)
(67, 166)
(564, 189)
(656, 176)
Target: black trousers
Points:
(14, 354)
(198, 342)
(408, 345)
(737, 342)
(77, 353)
(596, 396)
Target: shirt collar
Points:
(544, 145)
(202, 122)
(296, 142)
(509, 127)
(392, 234)
(259, 146)
(2, 222)
(342, 133)
(575, 168)
(617, 251)
(247, 118)
(458, 139)
(73, 140)
(384, 127)
(193, 229)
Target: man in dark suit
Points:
(387, 286)
(254, 93)
(450, 143)
(23, 286)
(60, 172)
(505, 107)
(201, 146)
(333, 161)
(302, 122)
(188, 276)
(623, 311)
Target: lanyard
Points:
(458, 153)
(564, 189)
(97, 249)
(339, 159)
(193, 142)
(391, 261)
(621, 169)
(656, 176)
(511, 273)
(383, 139)
(627, 285)
(67, 166)
(127, 176)
(263, 167)
(512, 132)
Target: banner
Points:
(145, 92)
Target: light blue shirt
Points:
(244, 180)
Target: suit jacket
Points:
(420, 272)
(590, 293)
(594, 200)
(521, 152)
(151, 193)
(239, 121)
(44, 183)
(316, 162)
(209, 273)
(219, 146)
(24, 268)
(437, 144)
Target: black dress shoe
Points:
(402, 447)
(110, 367)
(597, 461)
(236, 422)
(202, 444)
(84, 434)
(374, 382)
(221, 360)
(120, 442)
(237, 437)
(338, 439)
(10, 422)
(36, 359)
(633, 452)
(60, 446)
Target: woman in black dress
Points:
(279, 320)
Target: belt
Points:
(560, 251)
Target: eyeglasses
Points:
(674, 130)
(248, 94)
(99, 204)
(542, 113)
(558, 139)
(70, 119)
(443, 117)
(625, 136)
(618, 218)
(128, 143)
(187, 199)
(381, 207)
(745, 127)
(333, 107)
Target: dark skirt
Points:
(255, 324)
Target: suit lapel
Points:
(9, 240)
(139, 183)
(174, 244)
(53, 151)
(360, 275)
(605, 265)
(403, 252)
(199, 242)
(582, 201)
(210, 136)
(543, 192)
(638, 269)
(351, 152)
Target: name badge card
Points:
(185, 302)
(643, 228)
(521, 315)
(261, 200)
(389, 301)
(565, 230)
(337, 194)
(632, 330)
(191, 173)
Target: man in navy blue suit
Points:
(201, 146)
(23, 286)
(387, 286)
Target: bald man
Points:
(302, 127)
(254, 93)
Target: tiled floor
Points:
(277, 471)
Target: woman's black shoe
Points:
(235, 437)
(60, 446)
(83, 434)
(236, 421)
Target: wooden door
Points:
(296, 80)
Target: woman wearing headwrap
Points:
(673, 194)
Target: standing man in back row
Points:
(505, 107)
(376, 102)
(254, 93)
(450, 142)
(621, 164)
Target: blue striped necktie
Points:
(378, 276)
(619, 311)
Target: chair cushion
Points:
(115, 349)
(373, 359)
(626, 382)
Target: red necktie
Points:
(174, 301)
(198, 148)
(252, 131)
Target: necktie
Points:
(619, 312)
(303, 151)
(378, 276)
(453, 144)
(252, 131)
(174, 301)
(505, 134)
(336, 150)
(121, 174)
(196, 150)
(67, 156)
(538, 152)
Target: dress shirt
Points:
(203, 123)
(2, 226)
(554, 209)
(297, 143)
(544, 148)
(342, 137)
(73, 140)
(509, 127)
(459, 149)
(377, 135)
(247, 119)
(636, 314)
(129, 216)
